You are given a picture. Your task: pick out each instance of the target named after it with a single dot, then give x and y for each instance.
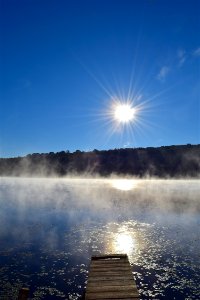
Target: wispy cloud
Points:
(126, 145)
(164, 71)
(181, 57)
(196, 52)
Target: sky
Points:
(64, 65)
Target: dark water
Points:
(49, 228)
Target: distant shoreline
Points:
(166, 162)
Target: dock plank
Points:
(107, 278)
(112, 288)
(110, 270)
(23, 294)
(110, 277)
(112, 295)
(112, 282)
(110, 263)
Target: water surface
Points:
(49, 228)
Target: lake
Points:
(49, 228)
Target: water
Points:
(49, 228)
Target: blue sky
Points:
(64, 63)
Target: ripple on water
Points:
(52, 256)
(160, 258)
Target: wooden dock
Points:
(23, 294)
(110, 277)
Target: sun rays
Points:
(122, 116)
(123, 108)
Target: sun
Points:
(124, 113)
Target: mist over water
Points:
(49, 228)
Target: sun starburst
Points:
(124, 113)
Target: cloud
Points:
(196, 52)
(164, 71)
(181, 57)
(126, 145)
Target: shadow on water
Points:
(49, 228)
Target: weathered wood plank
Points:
(110, 263)
(109, 273)
(126, 298)
(112, 283)
(114, 269)
(113, 288)
(23, 294)
(107, 277)
(108, 256)
(110, 277)
(114, 266)
(111, 295)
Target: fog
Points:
(65, 221)
(157, 194)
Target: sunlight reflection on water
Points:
(49, 228)
(123, 240)
(124, 184)
(124, 243)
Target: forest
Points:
(165, 161)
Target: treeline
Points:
(170, 161)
